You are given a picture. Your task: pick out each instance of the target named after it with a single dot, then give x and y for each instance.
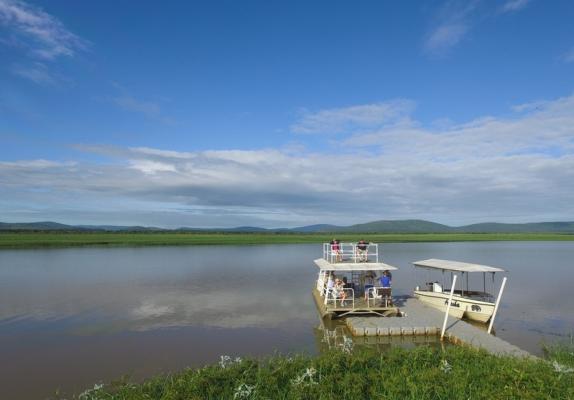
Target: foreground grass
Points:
(422, 373)
(71, 239)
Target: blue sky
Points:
(272, 114)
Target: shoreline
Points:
(55, 239)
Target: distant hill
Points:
(319, 228)
(383, 226)
(537, 227)
(404, 226)
(114, 228)
(36, 226)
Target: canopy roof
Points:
(366, 266)
(455, 266)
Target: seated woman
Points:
(339, 292)
(361, 250)
(336, 250)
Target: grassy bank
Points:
(422, 373)
(71, 239)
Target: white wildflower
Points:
(243, 391)
(89, 393)
(445, 367)
(225, 361)
(562, 369)
(306, 379)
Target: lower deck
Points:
(356, 305)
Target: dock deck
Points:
(420, 319)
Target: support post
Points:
(448, 307)
(496, 305)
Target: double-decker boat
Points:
(359, 265)
(471, 304)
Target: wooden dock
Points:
(421, 319)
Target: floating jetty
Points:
(420, 319)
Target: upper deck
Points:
(351, 252)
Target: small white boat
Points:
(471, 304)
(346, 261)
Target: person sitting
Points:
(362, 251)
(339, 292)
(336, 250)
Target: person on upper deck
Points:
(362, 251)
(336, 249)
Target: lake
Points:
(70, 318)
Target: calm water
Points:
(72, 317)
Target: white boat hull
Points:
(475, 310)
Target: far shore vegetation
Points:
(365, 373)
(48, 239)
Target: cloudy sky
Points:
(286, 113)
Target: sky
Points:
(286, 113)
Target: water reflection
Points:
(334, 334)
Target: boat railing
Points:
(374, 296)
(331, 296)
(350, 252)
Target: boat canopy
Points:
(455, 266)
(342, 266)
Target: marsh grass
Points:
(421, 373)
(13, 240)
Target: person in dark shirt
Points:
(362, 251)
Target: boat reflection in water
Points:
(334, 334)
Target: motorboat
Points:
(474, 305)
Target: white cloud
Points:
(150, 109)
(514, 5)
(44, 35)
(37, 73)
(452, 23)
(337, 120)
(507, 169)
(454, 20)
(446, 36)
(129, 103)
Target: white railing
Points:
(331, 294)
(374, 296)
(350, 252)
